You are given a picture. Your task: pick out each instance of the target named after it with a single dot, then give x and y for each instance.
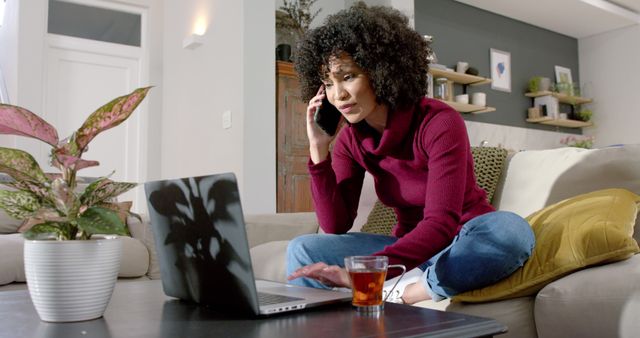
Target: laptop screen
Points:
(201, 241)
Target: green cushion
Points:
(380, 221)
(488, 163)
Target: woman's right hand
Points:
(318, 139)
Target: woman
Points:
(370, 65)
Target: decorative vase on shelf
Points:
(70, 272)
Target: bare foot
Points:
(414, 293)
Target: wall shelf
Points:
(566, 123)
(564, 99)
(568, 99)
(468, 108)
(463, 79)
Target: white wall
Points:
(9, 49)
(233, 70)
(22, 64)
(9, 58)
(610, 69)
(198, 85)
(155, 98)
(259, 100)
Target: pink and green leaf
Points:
(46, 230)
(62, 161)
(19, 121)
(19, 204)
(63, 198)
(108, 116)
(104, 189)
(96, 220)
(40, 190)
(43, 215)
(21, 166)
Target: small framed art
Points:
(563, 75)
(500, 70)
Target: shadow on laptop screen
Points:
(199, 223)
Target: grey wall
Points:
(466, 33)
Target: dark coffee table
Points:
(140, 309)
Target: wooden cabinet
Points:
(464, 80)
(293, 182)
(561, 99)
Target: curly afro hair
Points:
(379, 40)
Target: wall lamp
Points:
(196, 38)
(192, 41)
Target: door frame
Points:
(136, 168)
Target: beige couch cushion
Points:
(263, 228)
(602, 301)
(8, 225)
(269, 261)
(11, 259)
(135, 258)
(537, 178)
(142, 232)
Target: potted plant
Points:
(534, 84)
(539, 84)
(585, 142)
(293, 19)
(584, 115)
(70, 272)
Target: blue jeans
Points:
(487, 248)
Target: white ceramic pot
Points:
(72, 280)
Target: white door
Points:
(80, 76)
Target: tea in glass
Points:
(367, 274)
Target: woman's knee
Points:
(515, 233)
(506, 230)
(301, 244)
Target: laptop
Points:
(203, 251)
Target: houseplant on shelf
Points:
(70, 273)
(293, 20)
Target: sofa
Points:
(597, 301)
(601, 300)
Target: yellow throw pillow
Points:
(585, 230)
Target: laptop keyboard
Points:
(269, 298)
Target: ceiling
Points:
(575, 18)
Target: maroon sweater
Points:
(422, 168)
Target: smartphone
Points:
(327, 117)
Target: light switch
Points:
(226, 119)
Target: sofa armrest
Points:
(265, 228)
(601, 301)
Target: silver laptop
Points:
(203, 250)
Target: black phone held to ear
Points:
(327, 117)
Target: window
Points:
(3, 4)
(95, 23)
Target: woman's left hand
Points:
(329, 275)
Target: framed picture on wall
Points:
(563, 75)
(500, 70)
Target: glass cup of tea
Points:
(367, 274)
